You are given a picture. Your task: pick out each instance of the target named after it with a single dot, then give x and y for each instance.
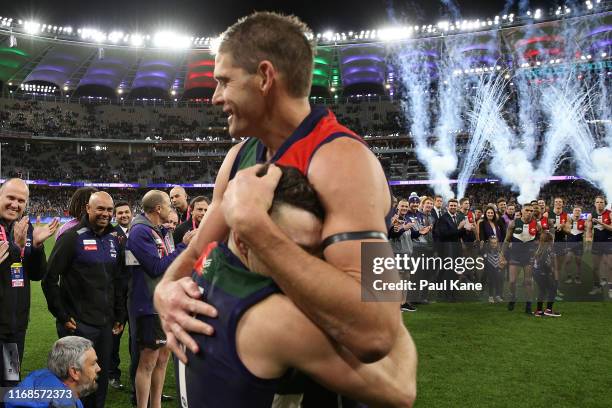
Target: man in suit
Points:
(197, 207)
(438, 207)
(123, 216)
(450, 231)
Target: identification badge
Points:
(17, 280)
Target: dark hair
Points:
(452, 200)
(282, 40)
(501, 200)
(121, 204)
(603, 198)
(79, 200)
(487, 208)
(546, 239)
(463, 200)
(295, 190)
(196, 200)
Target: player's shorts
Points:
(521, 254)
(601, 248)
(575, 248)
(149, 333)
(561, 247)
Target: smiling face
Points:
(100, 210)
(123, 215)
(13, 199)
(403, 207)
(239, 94)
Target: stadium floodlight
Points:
(119, 91)
(169, 39)
(173, 92)
(115, 36)
(136, 40)
(538, 14)
(31, 27)
(328, 35)
(65, 88)
(394, 33)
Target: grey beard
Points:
(87, 389)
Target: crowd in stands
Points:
(203, 122)
(53, 201)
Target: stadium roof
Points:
(350, 67)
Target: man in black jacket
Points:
(197, 207)
(90, 296)
(123, 216)
(449, 231)
(22, 256)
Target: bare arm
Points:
(589, 228)
(290, 339)
(567, 227)
(175, 295)
(353, 190)
(507, 239)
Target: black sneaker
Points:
(166, 398)
(115, 383)
(511, 306)
(528, 309)
(408, 307)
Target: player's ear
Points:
(267, 74)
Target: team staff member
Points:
(178, 197)
(22, 259)
(149, 251)
(84, 285)
(123, 215)
(264, 90)
(197, 207)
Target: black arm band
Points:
(353, 236)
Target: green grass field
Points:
(470, 355)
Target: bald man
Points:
(178, 198)
(85, 287)
(22, 259)
(150, 250)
